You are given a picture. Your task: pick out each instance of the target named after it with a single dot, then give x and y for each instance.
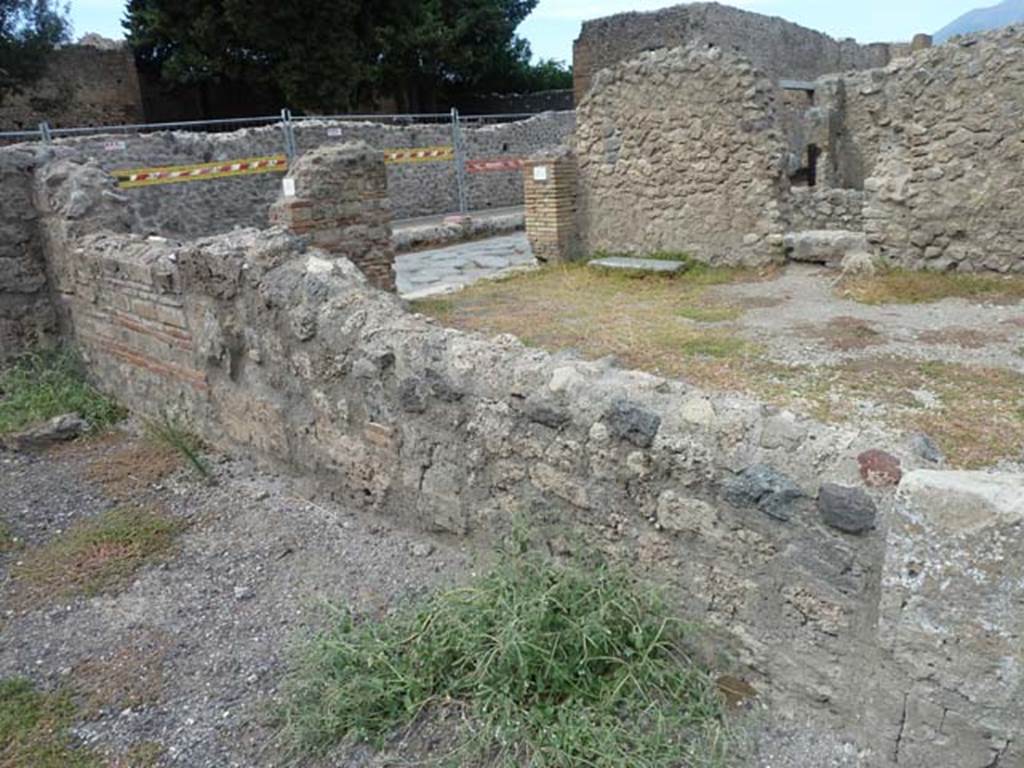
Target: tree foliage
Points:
(339, 55)
(29, 30)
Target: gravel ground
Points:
(800, 320)
(249, 575)
(194, 647)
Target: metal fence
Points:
(46, 134)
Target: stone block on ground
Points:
(828, 247)
(59, 429)
(626, 264)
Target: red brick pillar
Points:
(549, 186)
(337, 198)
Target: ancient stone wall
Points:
(937, 141)
(820, 208)
(415, 189)
(83, 86)
(768, 528)
(27, 317)
(780, 48)
(834, 596)
(679, 150)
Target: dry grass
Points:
(148, 754)
(898, 286)
(656, 323)
(134, 467)
(94, 556)
(977, 418)
(965, 338)
(846, 333)
(129, 676)
(666, 325)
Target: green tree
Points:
(339, 55)
(29, 30)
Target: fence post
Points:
(44, 131)
(290, 148)
(460, 161)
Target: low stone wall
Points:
(27, 317)
(773, 530)
(201, 208)
(679, 151)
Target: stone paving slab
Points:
(443, 270)
(640, 265)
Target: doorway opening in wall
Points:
(807, 175)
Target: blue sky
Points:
(556, 23)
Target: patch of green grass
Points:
(551, 667)
(718, 346)
(434, 306)
(7, 540)
(95, 555)
(34, 729)
(42, 385)
(172, 433)
(709, 313)
(901, 286)
(145, 755)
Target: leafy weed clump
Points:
(43, 385)
(552, 667)
(170, 432)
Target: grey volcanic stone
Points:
(926, 448)
(824, 246)
(849, 510)
(59, 429)
(548, 415)
(413, 394)
(767, 489)
(629, 421)
(442, 387)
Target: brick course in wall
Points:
(550, 185)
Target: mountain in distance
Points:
(981, 19)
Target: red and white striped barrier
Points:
(175, 174)
(497, 164)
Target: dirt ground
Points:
(183, 661)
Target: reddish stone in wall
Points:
(880, 469)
